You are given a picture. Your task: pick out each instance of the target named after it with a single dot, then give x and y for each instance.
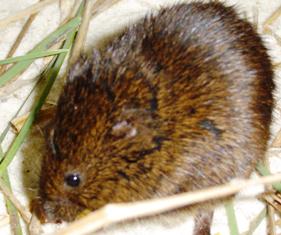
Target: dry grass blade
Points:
(73, 11)
(255, 222)
(113, 213)
(277, 66)
(83, 29)
(277, 38)
(270, 210)
(277, 198)
(271, 19)
(43, 45)
(34, 226)
(274, 200)
(91, 8)
(278, 222)
(19, 39)
(26, 12)
(4, 220)
(11, 209)
(102, 5)
(12, 87)
(276, 143)
(45, 114)
(270, 219)
(263, 170)
(256, 18)
(7, 192)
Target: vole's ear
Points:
(49, 134)
(48, 129)
(96, 58)
(49, 137)
(85, 65)
(78, 68)
(123, 129)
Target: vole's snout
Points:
(55, 211)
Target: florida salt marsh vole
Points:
(180, 101)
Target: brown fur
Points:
(179, 102)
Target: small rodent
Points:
(180, 101)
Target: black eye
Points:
(72, 180)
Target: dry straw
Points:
(22, 210)
(26, 12)
(113, 213)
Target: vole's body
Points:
(180, 101)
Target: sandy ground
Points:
(24, 170)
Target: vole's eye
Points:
(72, 180)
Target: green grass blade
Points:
(51, 76)
(231, 218)
(263, 170)
(11, 209)
(32, 56)
(6, 130)
(256, 222)
(43, 45)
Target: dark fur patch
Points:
(158, 140)
(191, 111)
(123, 175)
(153, 104)
(110, 94)
(210, 126)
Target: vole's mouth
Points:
(55, 211)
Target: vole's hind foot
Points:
(203, 222)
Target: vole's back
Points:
(212, 81)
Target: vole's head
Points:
(104, 129)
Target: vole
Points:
(180, 101)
